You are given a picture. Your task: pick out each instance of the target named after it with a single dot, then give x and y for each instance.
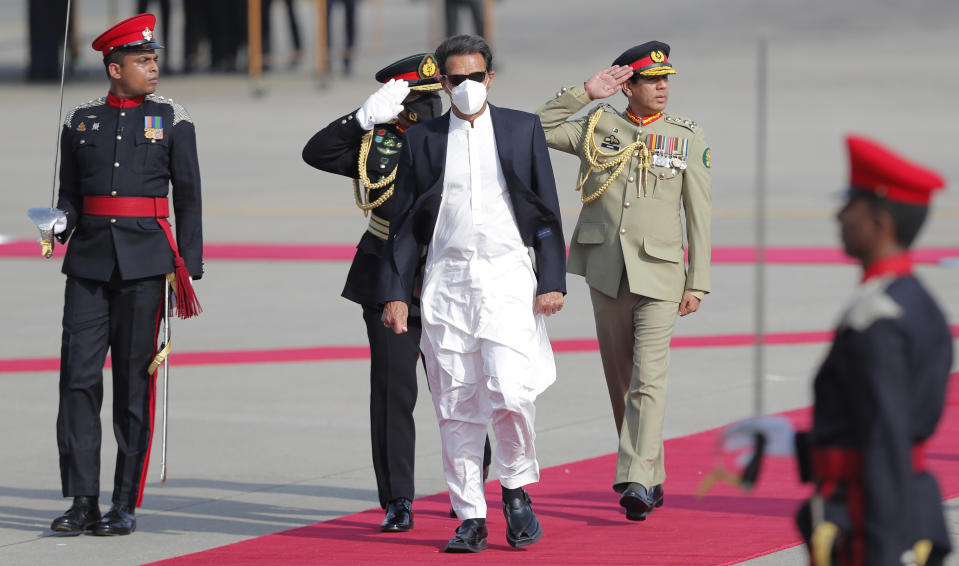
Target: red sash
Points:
(187, 304)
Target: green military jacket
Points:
(635, 224)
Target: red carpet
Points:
(340, 353)
(581, 519)
(344, 252)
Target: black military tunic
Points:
(114, 147)
(878, 397)
(393, 389)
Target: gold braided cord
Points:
(617, 159)
(658, 71)
(364, 204)
(426, 88)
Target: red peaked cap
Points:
(875, 169)
(131, 33)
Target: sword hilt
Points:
(46, 247)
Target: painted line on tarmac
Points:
(348, 353)
(946, 256)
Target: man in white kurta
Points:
(475, 189)
(487, 355)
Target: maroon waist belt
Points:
(845, 464)
(127, 206)
(159, 208)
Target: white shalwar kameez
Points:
(487, 355)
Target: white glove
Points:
(383, 105)
(778, 431)
(61, 224)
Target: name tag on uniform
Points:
(153, 127)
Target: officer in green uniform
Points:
(640, 169)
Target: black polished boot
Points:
(399, 516)
(119, 520)
(81, 516)
(636, 501)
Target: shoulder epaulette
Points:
(679, 121)
(873, 305)
(88, 104)
(179, 112)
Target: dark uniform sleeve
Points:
(878, 372)
(69, 201)
(185, 178)
(548, 242)
(391, 286)
(335, 148)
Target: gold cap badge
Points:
(657, 56)
(148, 34)
(428, 68)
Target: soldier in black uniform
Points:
(881, 390)
(120, 155)
(365, 145)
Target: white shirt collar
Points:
(483, 121)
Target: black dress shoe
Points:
(636, 501)
(522, 526)
(656, 496)
(470, 537)
(399, 516)
(81, 516)
(119, 520)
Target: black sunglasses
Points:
(455, 80)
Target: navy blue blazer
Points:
(521, 146)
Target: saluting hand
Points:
(548, 303)
(608, 81)
(383, 105)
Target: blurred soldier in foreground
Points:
(640, 169)
(881, 390)
(120, 155)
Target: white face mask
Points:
(469, 97)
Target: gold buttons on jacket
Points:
(113, 193)
(631, 179)
(119, 137)
(622, 230)
(627, 205)
(116, 163)
(123, 113)
(113, 221)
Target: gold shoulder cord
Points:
(363, 202)
(616, 159)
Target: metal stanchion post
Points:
(759, 351)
